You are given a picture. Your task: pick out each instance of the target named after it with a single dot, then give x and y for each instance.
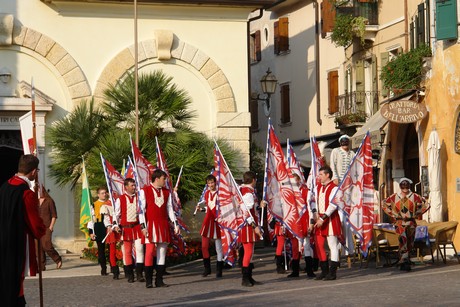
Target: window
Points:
(333, 89)
(285, 104)
(254, 109)
(254, 47)
(419, 28)
(386, 57)
(281, 35)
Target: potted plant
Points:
(351, 118)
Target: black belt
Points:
(129, 226)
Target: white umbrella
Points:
(434, 175)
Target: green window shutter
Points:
(384, 58)
(359, 97)
(446, 19)
(375, 87)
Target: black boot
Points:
(324, 270)
(129, 273)
(253, 282)
(148, 276)
(315, 264)
(159, 276)
(104, 270)
(240, 256)
(246, 282)
(332, 271)
(309, 267)
(295, 268)
(207, 267)
(406, 266)
(116, 272)
(219, 267)
(139, 270)
(280, 265)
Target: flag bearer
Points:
(328, 226)
(154, 202)
(210, 229)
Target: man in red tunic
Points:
(210, 229)
(126, 212)
(329, 227)
(251, 232)
(20, 224)
(154, 202)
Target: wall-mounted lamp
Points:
(382, 139)
(268, 83)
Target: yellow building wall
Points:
(443, 103)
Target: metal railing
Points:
(358, 102)
(369, 10)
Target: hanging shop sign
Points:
(403, 111)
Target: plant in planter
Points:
(347, 27)
(405, 71)
(357, 117)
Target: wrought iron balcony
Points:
(356, 107)
(368, 10)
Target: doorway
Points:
(411, 156)
(9, 153)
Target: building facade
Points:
(74, 49)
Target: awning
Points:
(303, 151)
(373, 125)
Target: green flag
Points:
(85, 209)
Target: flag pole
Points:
(136, 74)
(35, 153)
(264, 192)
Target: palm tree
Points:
(89, 131)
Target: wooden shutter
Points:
(284, 34)
(333, 87)
(276, 37)
(375, 86)
(359, 84)
(446, 19)
(257, 47)
(420, 24)
(285, 104)
(327, 17)
(384, 59)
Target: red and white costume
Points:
(129, 221)
(113, 237)
(247, 233)
(210, 229)
(332, 227)
(305, 221)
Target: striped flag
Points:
(85, 208)
(295, 168)
(316, 163)
(229, 206)
(143, 167)
(279, 190)
(355, 195)
(115, 182)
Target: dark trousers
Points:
(101, 254)
(48, 248)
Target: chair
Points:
(386, 242)
(446, 237)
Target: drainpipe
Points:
(406, 28)
(318, 82)
(248, 27)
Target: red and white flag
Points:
(143, 167)
(26, 124)
(295, 168)
(229, 206)
(279, 190)
(115, 182)
(317, 162)
(355, 194)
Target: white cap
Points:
(405, 179)
(344, 137)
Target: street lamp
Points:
(382, 139)
(268, 83)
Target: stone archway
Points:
(12, 32)
(230, 124)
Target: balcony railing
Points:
(358, 105)
(369, 10)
